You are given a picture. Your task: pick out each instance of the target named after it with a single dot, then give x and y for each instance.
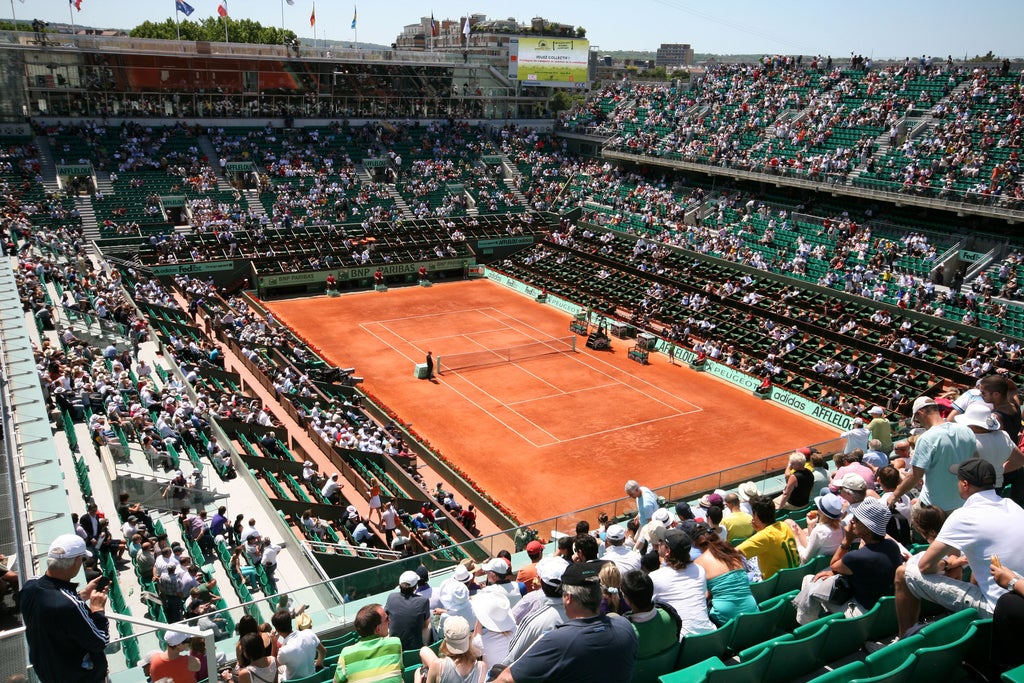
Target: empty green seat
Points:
(696, 649)
(648, 669)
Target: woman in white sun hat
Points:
(994, 444)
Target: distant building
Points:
(672, 55)
(488, 37)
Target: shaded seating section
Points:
(619, 279)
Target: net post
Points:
(574, 343)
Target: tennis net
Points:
(511, 354)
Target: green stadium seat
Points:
(846, 635)
(764, 590)
(648, 669)
(795, 658)
(894, 654)
(843, 674)
(948, 628)
(714, 670)
(754, 628)
(884, 624)
(696, 649)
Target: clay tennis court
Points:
(550, 433)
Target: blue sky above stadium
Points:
(890, 29)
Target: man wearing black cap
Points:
(588, 647)
(985, 526)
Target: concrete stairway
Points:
(47, 166)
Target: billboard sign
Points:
(559, 62)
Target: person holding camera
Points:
(66, 630)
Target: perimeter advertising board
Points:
(559, 62)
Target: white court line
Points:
(612, 377)
(676, 412)
(452, 336)
(436, 315)
(463, 395)
(505, 405)
(553, 386)
(489, 413)
(621, 428)
(564, 393)
(390, 345)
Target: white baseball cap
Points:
(67, 546)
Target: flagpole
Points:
(71, 12)
(15, 18)
(226, 39)
(177, 22)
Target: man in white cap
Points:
(549, 614)
(409, 613)
(66, 631)
(615, 550)
(856, 437)
(880, 427)
(175, 662)
(943, 445)
(499, 577)
(746, 491)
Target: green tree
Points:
(6, 25)
(564, 99)
(212, 29)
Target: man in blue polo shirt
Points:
(587, 647)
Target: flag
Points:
(354, 14)
(465, 28)
(184, 7)
(290, 2)
(312, 17)
(222, 8)
(433, 26)
(76, 3)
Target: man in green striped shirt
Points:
(375, 656)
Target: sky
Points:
(893, 29)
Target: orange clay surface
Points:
(546, 435)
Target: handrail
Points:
(843, 187)
(178, 627)
(359, 551)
